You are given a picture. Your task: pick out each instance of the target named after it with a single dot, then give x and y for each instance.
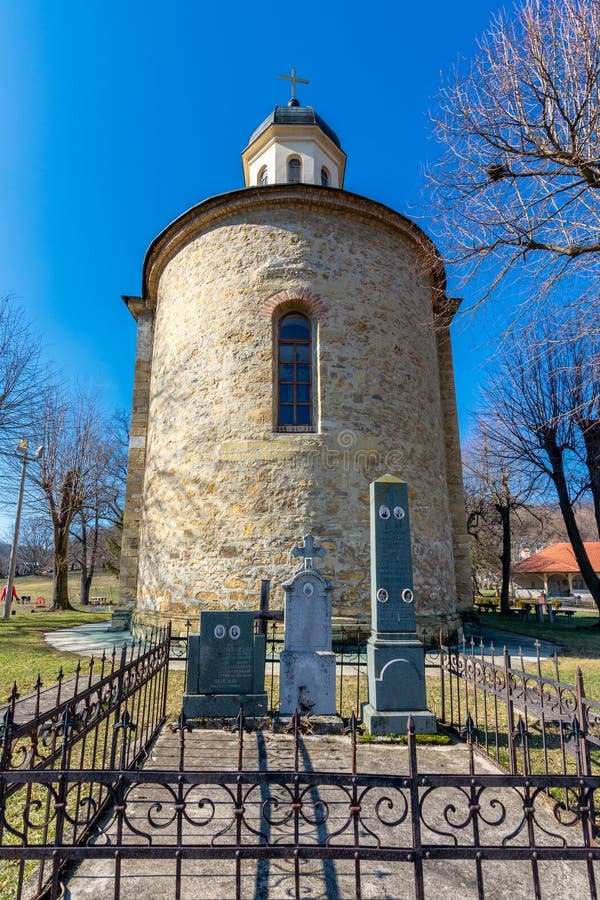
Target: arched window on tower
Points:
(294, 373)
(324, 177)
(294, 170)
(263, 176)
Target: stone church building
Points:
(293, 345)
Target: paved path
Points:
(213, 751)
(88, 640)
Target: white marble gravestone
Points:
(307, 663)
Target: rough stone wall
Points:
(456, 494)
(136, 461)
(226, 497)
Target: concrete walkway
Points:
(330, 879)
(88, 640)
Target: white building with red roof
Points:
(554, 571)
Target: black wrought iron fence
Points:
(350, 646)
(302, 832)
(105, 717)
(503, 698)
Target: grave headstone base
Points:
(395, 722)
(396, 672)
(307, 682)
(222, 706)
(316, 724)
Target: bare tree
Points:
(69, 432)
(119, 434)
(499, 487)
(101, 492)
(542, 425)
(20, 376)
(518, 183)
(582, 352)
(35, 545)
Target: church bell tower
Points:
(294, 146)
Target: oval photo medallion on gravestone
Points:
(382, 595)
(384, 512)
(399, 512)
(234, 632)
(407, 595)
(219, 631)
(308, 590)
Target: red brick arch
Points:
(286, 299)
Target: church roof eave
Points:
(181, 230)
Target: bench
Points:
(521, 611)
(482, 606)
(569, 613)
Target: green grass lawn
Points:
(579, 648)
(579, 642)
(104, 585)
(24, 652)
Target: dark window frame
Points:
(300, 355)
(296, 163)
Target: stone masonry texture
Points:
(217, 497)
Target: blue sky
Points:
(118, 116)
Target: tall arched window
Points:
(263, 176)
(294, 170)
(294, 372)
(324, 177)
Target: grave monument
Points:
(307, 663)
(395, 657)
(226, 667)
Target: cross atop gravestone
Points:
(308, 551)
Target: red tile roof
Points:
(558, 558)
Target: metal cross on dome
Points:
(308, 551)
(294, 81)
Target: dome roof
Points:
(294, 114)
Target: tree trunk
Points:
(558, 477)
(86, 583)
(591, 437)
(60, 585)
(505, 557)
(84, 591)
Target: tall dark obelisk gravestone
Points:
(395, 657)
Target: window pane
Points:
(286, 393)
(294, 170)
(294, 328)
(286, 373)
(303, 415)
(303, 393)
(302, 373)
(302, 353)
(324, 177)
(286, 415)
(286, 353)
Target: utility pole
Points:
(21, 448)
